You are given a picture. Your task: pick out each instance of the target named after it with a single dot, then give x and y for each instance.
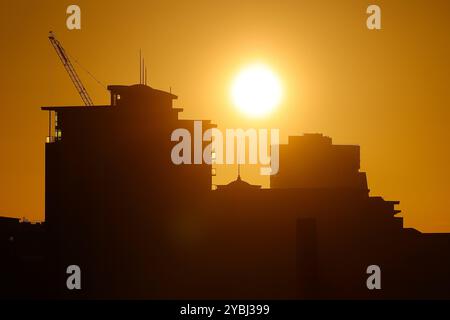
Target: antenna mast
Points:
(142, 69)
(140, 66)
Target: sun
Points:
(256, 90)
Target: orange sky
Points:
(384, 90)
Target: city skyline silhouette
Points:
(139, 226)
(385, 91)
(111, 187)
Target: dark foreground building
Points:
(140, 226)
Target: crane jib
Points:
(71, 70)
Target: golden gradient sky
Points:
(387, 91)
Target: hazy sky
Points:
(386, 91)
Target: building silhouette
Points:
(140, 226)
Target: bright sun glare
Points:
(256, 90)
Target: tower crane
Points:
(70, 70)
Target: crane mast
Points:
(70, 70)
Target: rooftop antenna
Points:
(145, 76)
(142, 69)
(238, 157)
(140, 66)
